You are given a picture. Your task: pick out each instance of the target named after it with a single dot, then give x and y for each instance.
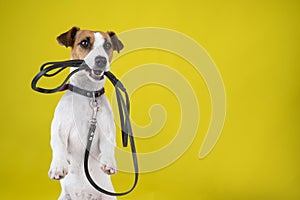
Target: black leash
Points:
(123, 105)
(58, 66)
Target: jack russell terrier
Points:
(70, 124)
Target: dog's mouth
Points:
(96, 74)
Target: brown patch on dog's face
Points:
(82, 42)
(108, 46)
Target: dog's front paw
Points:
(108, 164)
(58, 169)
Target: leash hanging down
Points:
(123, 106)
(126, 132)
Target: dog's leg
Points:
(107, 140)
(107, 148)
(59, 142)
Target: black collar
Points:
(87, 93)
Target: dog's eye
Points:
(107, 45)
(84, 44)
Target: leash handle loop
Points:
(59, 66)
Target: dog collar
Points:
(83, 92)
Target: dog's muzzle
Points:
(97, 62)
(97, 72)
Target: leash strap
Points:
(59, 67)
(126, 131)
(123, 106)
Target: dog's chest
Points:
(76, 119)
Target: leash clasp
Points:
(95, 107)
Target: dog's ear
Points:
(67, 39)
(117, 44)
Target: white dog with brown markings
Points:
(70, 124)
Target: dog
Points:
(70, 124)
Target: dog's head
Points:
(94, 47)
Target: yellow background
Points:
(255, 45)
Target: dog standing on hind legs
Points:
(70, 124)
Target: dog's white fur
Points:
(69, 135)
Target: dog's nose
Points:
(100, 61)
